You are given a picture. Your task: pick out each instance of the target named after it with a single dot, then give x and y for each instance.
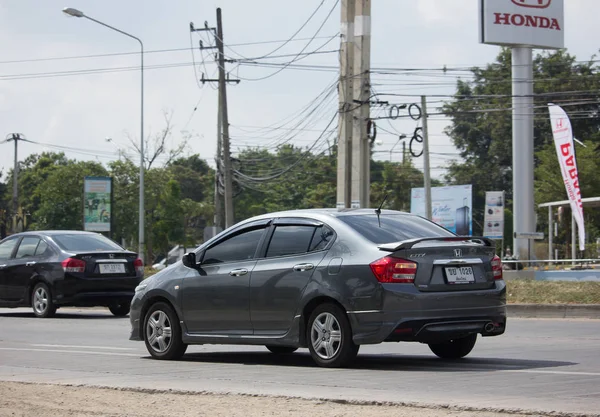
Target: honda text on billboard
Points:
(531, 23)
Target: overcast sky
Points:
(80, 111)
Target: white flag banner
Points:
(563, 140)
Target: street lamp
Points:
(77, 13)
(402, 136)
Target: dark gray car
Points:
(330, 280)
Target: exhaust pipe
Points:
(489, 327)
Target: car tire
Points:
(281, 350)
(162, 333)
(120, 309)
(454, 349)
(41, 301)
(329, 337)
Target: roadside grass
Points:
(523, 291)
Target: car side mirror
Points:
(189, 260)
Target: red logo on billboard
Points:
(538, 4)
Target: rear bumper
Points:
(432, 317)
(93, 299)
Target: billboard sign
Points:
(530, 23)
(97, 204)
(493, 226)
(451, 207)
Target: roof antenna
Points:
(378, 210)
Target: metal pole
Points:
(522, 141)
(426, 167)
(226, 152)
(15, 202)
(344, 144)
(361, 150)
(550, 231)
(573, 238)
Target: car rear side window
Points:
(321, 239)
(394, 227)
(237, 248)
(290, 240)
(85, 243)
(43, 249)
(27, 247)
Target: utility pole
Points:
(16, 137)
(426, 167)
(218, 199)
(344, 148)
(361, 151)
(223, 148)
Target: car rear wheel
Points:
(119, 309)
(454, 349)
(162, 332)
(281, 350)
(41, 301)
(330, 337)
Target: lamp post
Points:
(77, 13)
(403, 136)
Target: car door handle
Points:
(303, 267)
(30, 263)
(238, 272)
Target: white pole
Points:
(426, 168)
(522, 141)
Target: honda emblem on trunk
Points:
(458, 253)
(111, 256)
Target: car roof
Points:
(327, 212)
(53, 233)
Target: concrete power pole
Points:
(361, 150)
(426, 167)
(16, 137)
(219, 168)
(344, 148)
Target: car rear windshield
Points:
(85, 243)
(394, 227)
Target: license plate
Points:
(460, 275)
(112, 268)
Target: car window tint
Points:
(290, 240)
(237, 248)
(321, 238)
(42, 249)
(6, 248)
(27, 247)
(85, 243)
(394, 227)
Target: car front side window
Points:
(7, 248)
(239, 247)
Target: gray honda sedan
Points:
(330, 280)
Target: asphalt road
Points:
(539, 364)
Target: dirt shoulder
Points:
(25, 400)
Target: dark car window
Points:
(43, 249)
(237, 248)
(321, 238)
(394, 227)
(85, 243)
(290, 240)
(27, 247)
(7, 247)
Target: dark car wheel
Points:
(454, 349)
(281, 350)
(329, 337)
(162, 332)
(120, 309)
(41, 301)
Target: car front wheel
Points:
(162, 332)
(41, 301)
(330, 337)
(454, 349)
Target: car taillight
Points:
(73, 265)
(390, 269)
(139, 266)
(497, 267)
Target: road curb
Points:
(555, 311)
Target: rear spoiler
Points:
(409, 243)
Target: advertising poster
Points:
(493, 226)
(97, 201)
(451, 207)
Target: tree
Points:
(481, 114)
